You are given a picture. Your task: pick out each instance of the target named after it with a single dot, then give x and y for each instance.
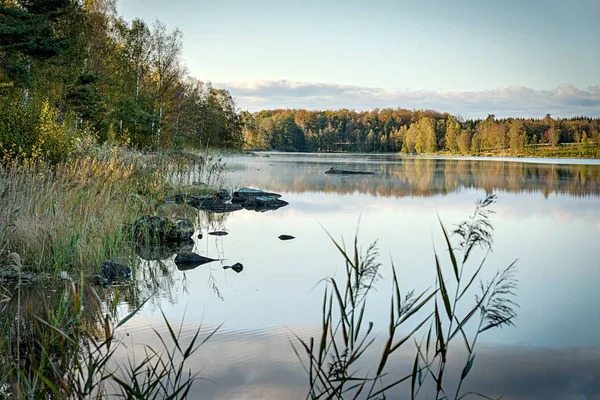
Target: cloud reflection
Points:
(253, 365)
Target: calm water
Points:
(547, 217)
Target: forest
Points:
(74, 71)
(417, 132)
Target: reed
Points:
(71, 216)
(431, 318)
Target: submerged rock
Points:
(111, 272)
(347, 172)
(189, 260)
(237, 267)
(286, 237)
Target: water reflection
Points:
(417, 176)
(548, 216)
(260, 364)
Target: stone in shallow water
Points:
(237, 267)
(111, 272)
(286, 237)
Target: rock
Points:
(222, 201)
(199, 236)
(184, 229)
(218, 233)
(220, 207)
(347, 172)
(243, 194)
(112, 272)
(189, 260)
(258, 200)
(150, 228)
(223, 194)
(217, 202)
(237, 267)
(264, 203)
(286, 237)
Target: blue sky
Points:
(468, 57)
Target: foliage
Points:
(70, 69)
(418, 131)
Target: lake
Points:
(547, 216)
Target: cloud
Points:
(518, 101)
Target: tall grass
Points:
(71, 216)
(432, 320)
(65, 351)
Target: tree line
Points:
(411, 131)
(74, 71)
(75, 68)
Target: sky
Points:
(472, 58)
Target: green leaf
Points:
(450, 250)
(467, 367)
(443, 288)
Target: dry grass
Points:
(71, 216)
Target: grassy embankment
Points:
(565, 150)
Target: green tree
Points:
(452, 133)
(584, 145)
(516, 136)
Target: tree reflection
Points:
(424, 177)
